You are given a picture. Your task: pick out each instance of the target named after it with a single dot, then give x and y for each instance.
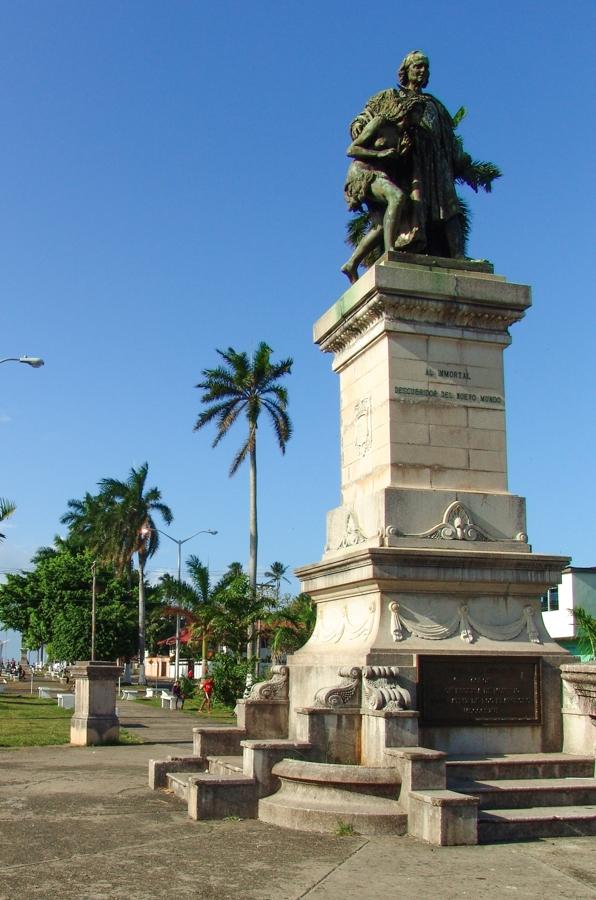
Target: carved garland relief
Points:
(464, 622)
(336, 625)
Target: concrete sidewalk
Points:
(81, 823)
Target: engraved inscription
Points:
(474, 691)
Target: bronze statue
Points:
(407, 161)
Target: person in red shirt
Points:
(207, 691)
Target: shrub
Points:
(229, 673)
(187, 686)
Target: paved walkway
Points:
(80, 824)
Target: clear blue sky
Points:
(171, 182)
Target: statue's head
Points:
(419, 62)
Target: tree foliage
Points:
(586, 632)
(51, 605)
(118, 523)
(7, 507)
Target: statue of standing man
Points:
(423, 166)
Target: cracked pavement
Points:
(81, 823)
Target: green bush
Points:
(188, 687)
(229, 673)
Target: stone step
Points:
(517, 793)
(537, 822)
(216, 740)
(225, 765)
(520, 766)
(354, 814)
(177, 782)
(220, 796)
(327, 797)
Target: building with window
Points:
(577, 588)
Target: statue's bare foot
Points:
(351, 271)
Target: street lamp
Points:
(179, 543)
(34, 361)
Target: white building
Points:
(577, 588)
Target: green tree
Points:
(131, 529)
(215, 614)
(52, 605)
(586, 632)
(6, 510)
(290, 626)
(247, 386)
(276, 574)
(118, 523)
(194, 603)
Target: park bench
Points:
(129, 694)
(48, 693)
(66, 701)
(152, 692)
(168, 701)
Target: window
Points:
(549, 602)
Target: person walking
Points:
(207, 692)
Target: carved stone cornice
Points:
(388, 309)
(394, 291)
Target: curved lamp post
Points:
(179, 544)
(34, 361)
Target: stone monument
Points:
(429, 643)
(95, 720)
(428, 575)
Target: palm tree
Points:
(290, 627)
(87, 521)
(586, 632)
(118, 522)
(195, 603)
(130, 528)
(247, 386)
(6, 510)
(277, 574)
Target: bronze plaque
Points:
(455, 690)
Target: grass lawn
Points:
(27, 721)
(220, 714)
(30, 722)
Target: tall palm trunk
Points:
(142, 679)
(253, 544)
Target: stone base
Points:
(91, 730)
(383, 612)
(95, 720)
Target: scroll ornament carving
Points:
(344, 694)
(457, 524)
(382, 690)
(464, 622)
(275, 688)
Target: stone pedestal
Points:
(95, 720)
(579, 708)
(427, 557)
